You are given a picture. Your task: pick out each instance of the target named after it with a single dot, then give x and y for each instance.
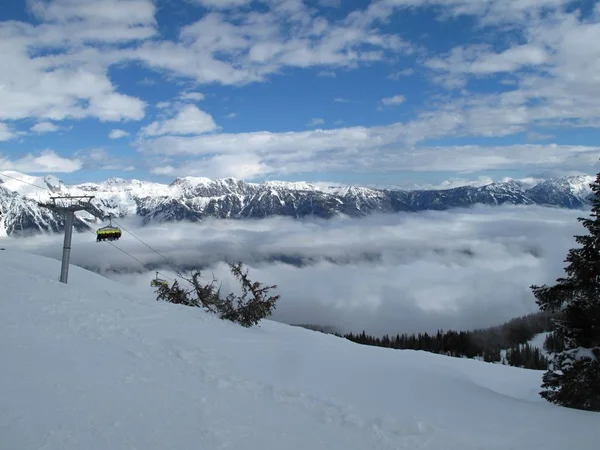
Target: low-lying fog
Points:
(408, 272)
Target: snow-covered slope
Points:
(194, 198)
(538, 341)
(95, 365)
(25, 185)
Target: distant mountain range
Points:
(194, 199)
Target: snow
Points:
(578, 185)
(288, 185)
(22, 184)
(538, 341)
(98, 365)
(344, 191)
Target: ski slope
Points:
(538, 341)
(97, 365)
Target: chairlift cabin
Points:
(108, 233)
(158, 282)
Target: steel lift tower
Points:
(68, 209)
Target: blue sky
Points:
(365, 92)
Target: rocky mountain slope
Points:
(193, 199)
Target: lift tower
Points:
(68, 209)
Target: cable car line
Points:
(128, 254)
(26, 182)
(150, 247)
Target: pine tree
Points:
(573, 377)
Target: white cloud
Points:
(94, 154)
(482, 60)
(58, 69)
(103, 159)
(55, 87)
(374, 149)
(244, 166)
(188, 120)
(489, 12)
(47, 161)
(191, 96)
(116, 133)
(554, 67)
(44, 127)
(75, 21)
(394, 273)
(394, 100)
(6, 134)
(253, 46)
(315, 121)
(51, 71)
(222, 4)
(114, 107)
(164, 170)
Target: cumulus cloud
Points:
(232, 49)
(192, 96)
(116, 133)
(77, 21)
(46, 161)
(392, 273)
(52, 68)
(552, 67)
(44, 127)
(6, 133)
(188, 120)
(393, 100)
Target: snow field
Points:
(99, 365)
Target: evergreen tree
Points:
(553, 343)
(573, 378)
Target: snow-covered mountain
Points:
(99, 365)
(18, 213)
(567, 192)
(193, 199)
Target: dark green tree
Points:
(573, 378)
(247, 309)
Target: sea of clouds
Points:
(392, 273)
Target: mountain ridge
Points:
(196, 198)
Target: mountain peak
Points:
(54, 184)
(191, 180)
(197, 198)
